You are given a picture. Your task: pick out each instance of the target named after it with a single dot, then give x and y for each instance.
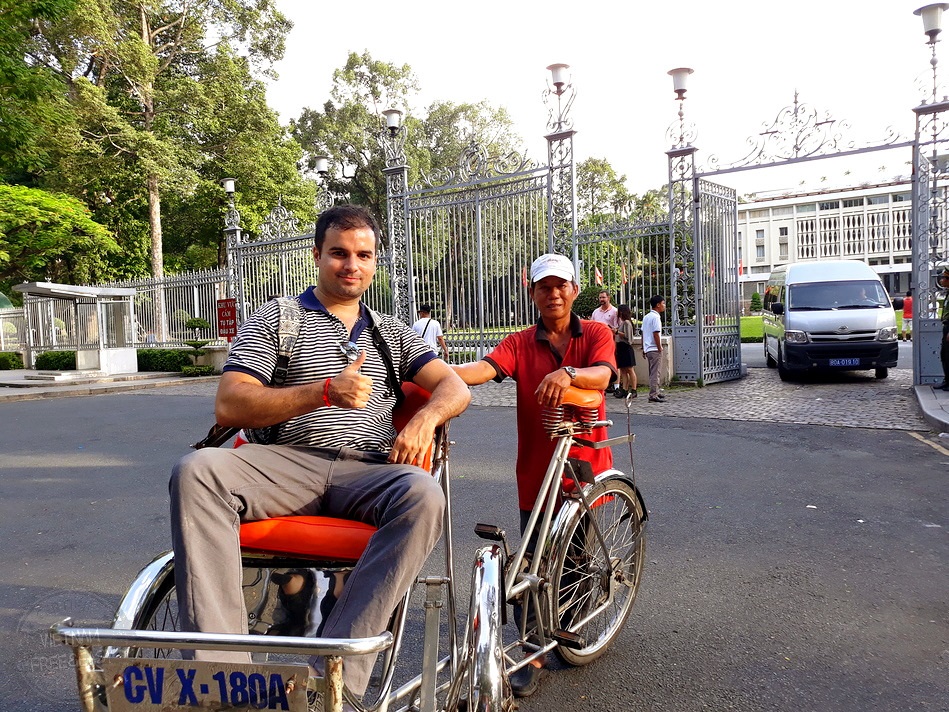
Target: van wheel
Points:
(881, 373)
(783, 372)
(768, 359)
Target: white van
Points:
(833, 314)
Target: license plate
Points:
(844, 362)
(170, 685)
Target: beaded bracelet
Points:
(326, 392)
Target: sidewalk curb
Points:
(67, 391)
(933, 412)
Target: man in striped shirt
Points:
(324, 443)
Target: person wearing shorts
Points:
(625, 356)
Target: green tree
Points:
(755, 304)
(47, 237)
(349, 122)
(35, 118)
(601, 193)
(127, 66)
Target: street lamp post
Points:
(561, 208)
(323, 199)
(391, 139)
(930, 236)
(232, 238)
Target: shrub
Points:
(197, 370)
(163, 359)
(587, 301)
(196, 323)
(10, 361)
(755, 302)
(56, 361)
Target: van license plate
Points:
(844, 362)
(159, 685)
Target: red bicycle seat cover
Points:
(310, 537)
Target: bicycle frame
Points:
(422, 691)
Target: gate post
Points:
(683, 264)
(396, 171)
(561, 190)
(930, 238)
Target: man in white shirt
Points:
(652, 346)
(430, 330)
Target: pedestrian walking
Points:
(430, 330)
(625, 356)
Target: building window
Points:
(783, 232)
(853, 202)
(900, 197)
(809, 208)
(759, 234)
(829, 205)
(759, 253)
(878, 200)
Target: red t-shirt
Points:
(527, 357)
(907, 307)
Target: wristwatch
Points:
(571, 371)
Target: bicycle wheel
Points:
(487, 684)
(592, 591)
(159, 611)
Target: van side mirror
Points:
(777, 308)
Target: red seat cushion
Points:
(325, 537)
(310, 537)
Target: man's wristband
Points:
(326, 392)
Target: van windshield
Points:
(821, 296)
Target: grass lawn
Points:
(752, 328)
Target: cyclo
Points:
(575, 593)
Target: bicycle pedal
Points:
(569, 640)
(489, 532)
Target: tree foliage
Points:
(47, 237)
(348, 126)
(135, 76)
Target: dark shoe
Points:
(619, 393)
(658, 399)
(525, 681)
(634, 393)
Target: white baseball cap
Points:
(552, 265)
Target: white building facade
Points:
(869, 223)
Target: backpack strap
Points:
(288, 329)
(427, 324)
(393, 382)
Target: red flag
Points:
(741, 268)
(623, 265)
(524, 277)
(711, 270)
(599, 276)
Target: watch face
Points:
(571, 371)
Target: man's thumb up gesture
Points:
(350, 389)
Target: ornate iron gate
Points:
(706, 313)
(931, 238)
(465, 239)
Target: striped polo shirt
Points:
(317, 356)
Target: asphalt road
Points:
(788, 568)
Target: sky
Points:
(866, 64)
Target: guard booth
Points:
(95, 322)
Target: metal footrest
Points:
(569, 640)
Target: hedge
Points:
(163, 359)
(10, 361)
(56, 361)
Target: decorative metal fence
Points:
(633, 260)
(175, 299)
(12, 330)
(469, 249)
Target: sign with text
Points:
(227, 318)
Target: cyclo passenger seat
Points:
(325, 538)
